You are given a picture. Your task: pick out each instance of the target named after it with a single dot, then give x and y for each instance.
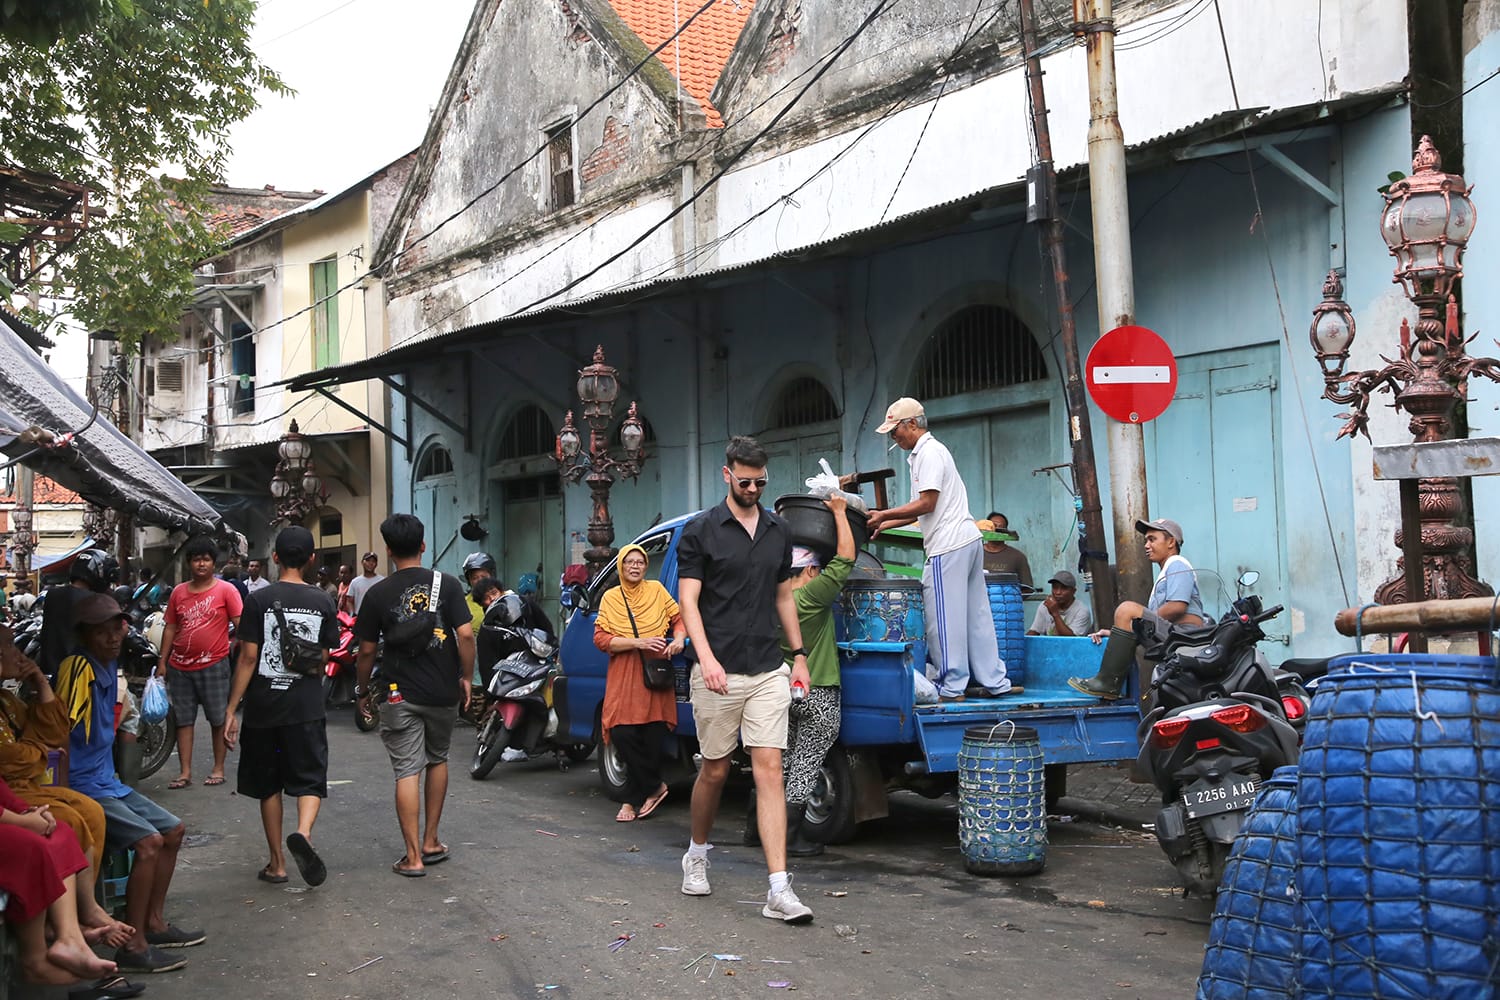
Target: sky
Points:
(367, 75)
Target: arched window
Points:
(803, 401)
(981, 347)
(530, 432)
(435, 462)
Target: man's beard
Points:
(745, 500)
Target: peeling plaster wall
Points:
(535, 65)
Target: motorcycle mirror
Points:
(1248, 578)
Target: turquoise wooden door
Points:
(1213, 462)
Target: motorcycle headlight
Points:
(525, 689)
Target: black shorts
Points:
(291, 759)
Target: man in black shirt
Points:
(285, 736)
(734, 568)
(428, 676)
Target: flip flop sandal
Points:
(626, 815)
(108, 988)
(309, 865)
(436, 857)
(177, 783)
(265, 876)
(400, 869)
(214, 779)
(649, 806)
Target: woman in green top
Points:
(814, 721)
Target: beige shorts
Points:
(753, 712)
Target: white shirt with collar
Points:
(949, 525)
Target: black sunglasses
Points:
(759, 484)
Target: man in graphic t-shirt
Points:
(427, 681)
(195, 646)
(284, 734)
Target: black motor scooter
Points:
(1220, 720)
(517, 713)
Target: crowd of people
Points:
(753, 612)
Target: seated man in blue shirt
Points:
(1174, 601)
(88, 684)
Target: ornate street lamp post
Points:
(1427, 221)
(295, 483)
(598, 387)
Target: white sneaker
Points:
(511, 754)
(784, 906)
(695, 876)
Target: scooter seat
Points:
(1307, 668)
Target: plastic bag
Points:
(154, 703)
(826, 483)
(926, 693)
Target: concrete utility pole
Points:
(1114, 277)
(1085, 473)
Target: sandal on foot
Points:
(214, 779)
(179, 782)
(649, 806)
(309, 865)
(436, 857)
(265, 876)
(627, 814)
(400, 868)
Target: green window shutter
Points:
(325, 282)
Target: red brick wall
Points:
(611, 153)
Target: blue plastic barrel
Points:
(1253, 938)
(890, 610)
(1002, 801)
(1010, 622)
(1398, 815)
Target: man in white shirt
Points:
(256, 580)
(367, 579)
(1062, 613)
(960, 630)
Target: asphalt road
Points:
(542, 880)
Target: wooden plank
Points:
(1438, 459)
(1461, 615)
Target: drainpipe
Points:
(694, 445)
(1115, 281)
(1085, 472)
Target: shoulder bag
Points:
(411, 637)
(298, 655)
(658, 673)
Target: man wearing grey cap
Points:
(1174, 601)
(960, 630)
(1062, 613)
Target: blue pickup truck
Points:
(886, 741)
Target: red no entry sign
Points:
(1131, 374)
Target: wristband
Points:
(799, 651)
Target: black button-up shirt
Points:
(740, 575)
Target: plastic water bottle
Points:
(799, 693)
(395, 696)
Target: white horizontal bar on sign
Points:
(1123, 374)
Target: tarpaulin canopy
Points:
(99, 463)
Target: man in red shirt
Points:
(195, 645)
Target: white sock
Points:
(779, 881)
(697, 850)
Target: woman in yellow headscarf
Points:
(638, 619)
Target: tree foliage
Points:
(137, 105)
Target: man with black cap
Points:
(88, 685)
(1174, 601)
(285, 737)
(366, 579)
(1062, 613)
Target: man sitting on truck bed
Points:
(1174, 601)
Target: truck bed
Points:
(879, 706)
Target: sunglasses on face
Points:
(759, 484)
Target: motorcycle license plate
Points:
(1209, 798)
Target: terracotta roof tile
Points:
(697, 56)
(44, 490)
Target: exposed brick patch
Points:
(783, 40)
(610, 154)
(577, 33)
